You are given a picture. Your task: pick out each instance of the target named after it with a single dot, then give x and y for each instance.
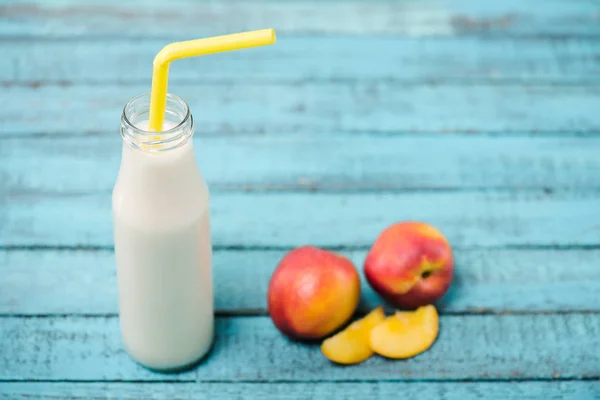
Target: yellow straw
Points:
(192, 48)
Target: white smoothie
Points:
(163, 255)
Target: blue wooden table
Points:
(480, 117)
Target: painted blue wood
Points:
(587, 390)
(382, 107)
(485, 281)
(190, 18)
(530, 218)
(326, 162)
(313, 58)
(375, 89)
(492, 347)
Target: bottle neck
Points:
(156, 165)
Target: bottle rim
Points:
(146, 140)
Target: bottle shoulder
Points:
(159, 187)
(167, 206)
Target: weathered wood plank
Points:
(485, 281)
(275, 108)
(528, 218)
(586, 390)
(250, 348)
(330, 162)
(297, 59)
(192, 19)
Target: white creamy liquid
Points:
(163, 255)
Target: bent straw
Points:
(193, 48)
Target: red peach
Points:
(410, 264)
(312, 292)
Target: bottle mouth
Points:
(136, 114)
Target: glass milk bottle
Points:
(162, 240)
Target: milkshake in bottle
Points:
(161, 220)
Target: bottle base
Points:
(172, 369)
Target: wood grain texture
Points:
(530, 218)
(250, 348)
(485, 281)
(192, 19)
(587, 390)
(351, 104)
(298, 59)
(310, 161)
(282, 108)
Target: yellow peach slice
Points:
(351, 346)
(406, 333)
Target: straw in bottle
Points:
(193, 48)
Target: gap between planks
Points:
(240, 248)
(229, 314)
(459, 82)
(404, 133)
(290, 381)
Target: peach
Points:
(410, 265)
(406, 334)
(312, 292)
(351, 346)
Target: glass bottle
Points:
(161, 225)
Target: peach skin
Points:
(312, 293)
(410, 265)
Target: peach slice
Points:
(351, 346)
(406, 333)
